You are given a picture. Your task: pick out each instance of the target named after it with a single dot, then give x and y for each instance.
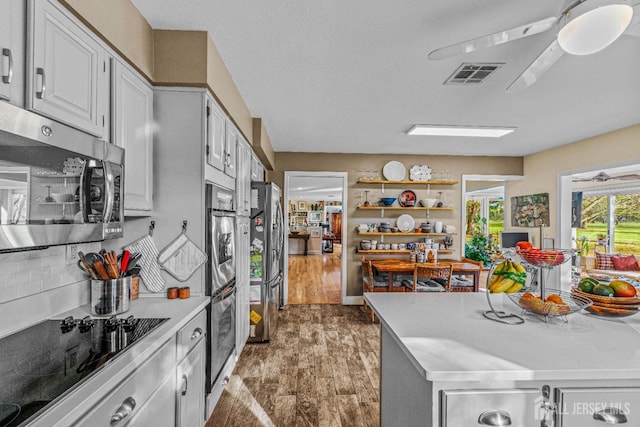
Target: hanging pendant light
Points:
(593, 25)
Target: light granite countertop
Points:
(446, 338)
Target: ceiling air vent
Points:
(472, 74)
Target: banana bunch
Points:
(509, 276)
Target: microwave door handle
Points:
(85, 190)
(109, 188)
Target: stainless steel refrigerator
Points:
(266, 262)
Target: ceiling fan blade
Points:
(539, 66)
(493, 39)
(634, 26)
(629, 177)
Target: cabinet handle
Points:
(185, 381)
(494, 417)
(40, 94)
(124, 410)
(7, 79)
(197, 333)
(611, 416)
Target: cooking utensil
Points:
(124, 262)
(92, 257)
(102, 272)
(111, 264)
(87, 268)
(134, 271)
(134, 258)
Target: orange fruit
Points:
(555, 299)
(527, 295)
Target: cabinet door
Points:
(12, 31)
(191, 377)
(159, 408)
(132, 124)
(242, 284)
(215, 138)
(230, 150)
(68, 79)
(585, 407)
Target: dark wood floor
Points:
(321, 368)
(315, 279)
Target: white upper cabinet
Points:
(215, 138)
(12, 37)
(132, 130)
(230, 165)
(257, 171)
(68, 70)
(243, 179)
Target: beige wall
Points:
(354, 163)
(541, 170)
(122, 26)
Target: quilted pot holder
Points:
(181, 258)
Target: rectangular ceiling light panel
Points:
(472, 131)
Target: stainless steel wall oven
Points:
(220, 279)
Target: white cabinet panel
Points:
(242, 284)
(598, 406)
(12, 37)
(158, 408)
(132, 124)
(191, 378)
(68, 76)
(215, 138)
(230, 150)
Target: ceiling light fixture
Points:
(449, 130)
(586, 30)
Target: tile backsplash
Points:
(35, 285)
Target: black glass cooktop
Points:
(43, 362)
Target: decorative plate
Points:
(420, 173)
(405, 223)
(394, 171)
(407, 198)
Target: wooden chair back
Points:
(425, 271)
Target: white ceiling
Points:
(353, 76)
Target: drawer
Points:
(137, 388)
(191, 333)
(587, 407)
(463, 408)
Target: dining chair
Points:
(430, 278)
(371, 283)
(459, 283)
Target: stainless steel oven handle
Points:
(109, 189)
(127, 407)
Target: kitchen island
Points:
(444, 364)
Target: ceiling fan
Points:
(583, 27)
(603, 177)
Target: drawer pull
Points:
(124, 410)
(7, 79)
(185, 381)
(197, 333)
(43, 87)
(494, 417)
(611, 416)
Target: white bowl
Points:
(428, 203)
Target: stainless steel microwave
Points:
(58, 185)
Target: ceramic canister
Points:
(437, 227)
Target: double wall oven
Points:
(220, 279)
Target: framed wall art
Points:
(302, 206)
(530, 211)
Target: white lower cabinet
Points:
(191, 373)
(464, 408)
(587, 407)
(191, 379)
(128, 401)
(242, 284)
(156, 411)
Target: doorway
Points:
(315, 210)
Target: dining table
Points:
(404, 266)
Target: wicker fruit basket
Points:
(610, 306)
